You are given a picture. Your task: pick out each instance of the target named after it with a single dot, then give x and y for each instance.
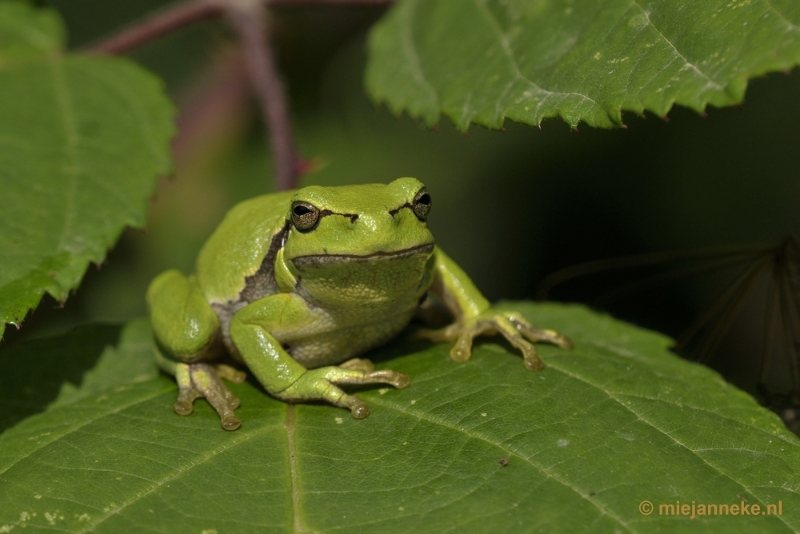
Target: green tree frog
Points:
(297, 284)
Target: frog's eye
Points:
(422, 204)
(305, 216)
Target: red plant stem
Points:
(158, 24)
(220, 98)
(248, 19)
(330, 2)
(191, 11)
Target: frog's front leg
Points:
(282, 376)
(187, 337)
(474, 316)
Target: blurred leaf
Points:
(616, 421)
(94, 357)
(82, 142)
(484, 60)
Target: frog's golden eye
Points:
(305, 216)
(422, 204)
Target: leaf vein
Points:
(711, 82)
(182, 470)
(653, 425)
(474, 435)
(72, 165)
(792, 25)
(85, 424)
(503, 39)
(414, 59)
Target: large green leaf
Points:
(484, 60)
(82, 141)
(483, 446)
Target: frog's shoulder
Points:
(237, 261)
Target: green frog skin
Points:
(297, 284)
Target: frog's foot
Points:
(510, 325)
(321, 384)
(197, 380)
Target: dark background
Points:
(509, 207)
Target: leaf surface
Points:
(484, 60)
(82, 142)
(614, 422)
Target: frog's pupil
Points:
(424, 199)
(301, 210)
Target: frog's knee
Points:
(184, 324)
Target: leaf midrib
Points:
(72, 168)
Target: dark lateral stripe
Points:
(262, 282)
(406, 205)
(352, 216)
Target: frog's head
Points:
(326, 223)
(339, 235)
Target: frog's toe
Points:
(326, 390)
(230, 374)
(401, 380)
(358, 408)
(509, 327)
(531, 359)
(536, 335)
(233, 400)
(386, 376)
(185, 403)
(462, 349)
(358, 364)
(230, 422)
(340, 375)
(436, 335)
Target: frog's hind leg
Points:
(187, 339)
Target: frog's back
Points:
(234, 261)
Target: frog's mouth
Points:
(315, 260)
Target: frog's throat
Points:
(322, 259)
